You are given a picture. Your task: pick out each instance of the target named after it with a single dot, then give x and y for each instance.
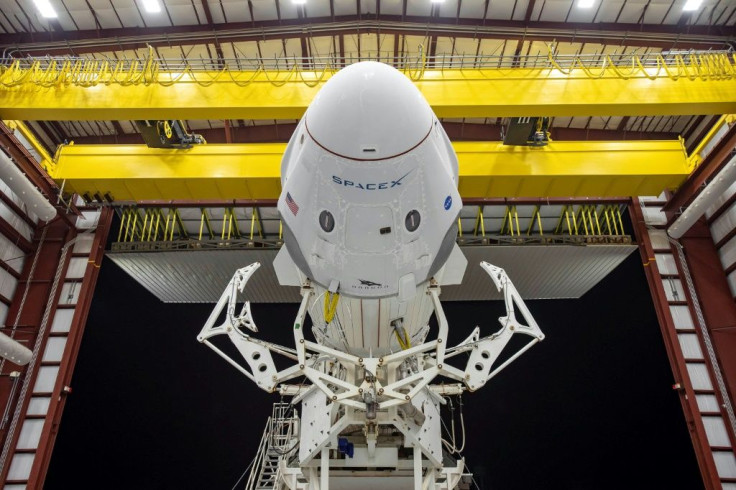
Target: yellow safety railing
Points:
(51, 72)
(511, 221)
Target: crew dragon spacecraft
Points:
(369, 206)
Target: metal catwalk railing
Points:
(161, 228)
(59, 71)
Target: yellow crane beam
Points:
(451, 93)
(84, 89)
(487, 170)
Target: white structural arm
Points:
(257, 353)
(485, 351)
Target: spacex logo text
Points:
(369, 186)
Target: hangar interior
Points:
(586, 131)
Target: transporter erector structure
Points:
(369, 207)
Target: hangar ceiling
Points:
(256, 31)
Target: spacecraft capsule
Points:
(369, 198)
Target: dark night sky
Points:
(591, 407)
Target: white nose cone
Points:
(342, 118)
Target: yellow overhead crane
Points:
(455, 87)
(487, 170)
(661, 84)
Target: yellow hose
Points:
(330, 305)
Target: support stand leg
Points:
(417, 468)
(325, 467)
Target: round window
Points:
(326, 221)
(412, 220)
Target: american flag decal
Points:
(292, 204)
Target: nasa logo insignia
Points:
(448, 203)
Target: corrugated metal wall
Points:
(538, 271)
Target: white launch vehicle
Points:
(369, 206)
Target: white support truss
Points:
(386, 408)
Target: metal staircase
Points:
(280, 438)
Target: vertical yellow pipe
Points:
(166, 227)
(539, 223)
(122, 224)
(158, 221)
(252, 222)
(135, 221)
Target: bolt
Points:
(301, 366)
(380, 360)
(380, 391)
(406, 397)
(301, 341)
(511, 328)
(360, 360)
(334, 397)
(439, 341)
(360, 390)
(439, 366)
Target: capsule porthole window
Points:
(326, 221)
(412, 220)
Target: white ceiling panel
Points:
(555, 10)
(185, 15)
(448, 8)
(288, 9)
(318, 9)
(500, 10)
(418, 7)
(236, 11)
(347, 7)
(472, 10)
(264, 10)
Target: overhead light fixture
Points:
(299, 2)
(151, 6)
(45, 9)
(691, 5)
(585, 4)
(437, 1)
